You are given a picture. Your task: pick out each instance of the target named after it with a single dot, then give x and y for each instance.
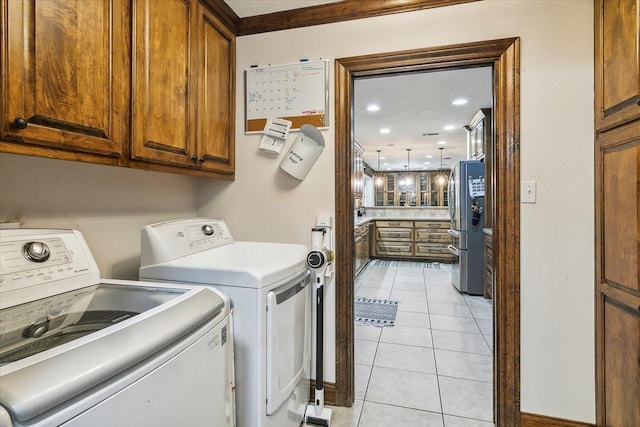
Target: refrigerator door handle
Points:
(453, 250)
(454, 233)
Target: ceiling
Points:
(415, 108)
(411, 106)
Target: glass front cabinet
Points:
(410, 189)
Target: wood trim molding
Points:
(504, 56)
(345, 10)
(534, 420)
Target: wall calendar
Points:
(296, 92)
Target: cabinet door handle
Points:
(202, 159)
(19, 123)
(194, 158)
(638, 103)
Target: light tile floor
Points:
(434, 368)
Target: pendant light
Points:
(379, 179)
(408, 180)
(405, 180)
(441, 179)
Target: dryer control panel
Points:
(169, 240)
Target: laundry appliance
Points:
(269, 287)
(77, 350)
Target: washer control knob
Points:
(36, 329)
(207, 230)
(36, 251)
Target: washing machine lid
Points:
(80, 349)
(242, 264)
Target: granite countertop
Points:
(362, 220)
(488, 231)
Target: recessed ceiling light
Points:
(386, 164)
(442, 142)
(429, 156)
(385, 130)
(382, 158)
(373, 107)
(427, 163)
(449, 127)
(459, 101)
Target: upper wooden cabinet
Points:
(65, 79)
(215, 71)
(617, 62)
(143, 83)
(183, 96)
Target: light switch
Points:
(528, 192)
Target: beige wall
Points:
(107, 204)
(556, 151)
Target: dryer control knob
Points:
(36, 251)
(207, 230)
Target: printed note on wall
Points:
(295, 92)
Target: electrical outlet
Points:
(528, 192)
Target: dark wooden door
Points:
(617, 120)
(65, 76)
(617, 71)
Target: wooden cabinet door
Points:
(163, 115)
(618, 276)
(215, 116)
(617, 62)
(65, 77)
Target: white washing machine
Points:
(77, 350)
(269, 286)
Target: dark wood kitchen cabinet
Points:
(617, 191)
(144, 84)
(183, 92)
(65, 79)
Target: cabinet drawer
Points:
(427, 249)
(433, 224)
(432, 236)
(402, 234)
(361, 230)
(398, 224)
(394, 248)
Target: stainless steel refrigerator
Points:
(466, 205)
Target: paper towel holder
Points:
(303, 153)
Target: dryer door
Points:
(288, 339)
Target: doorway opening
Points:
(503, 56)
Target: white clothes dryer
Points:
(269, 287)
(77, 350)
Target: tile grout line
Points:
(435, 360)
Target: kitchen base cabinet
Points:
(431, 240)
(394, 239)
(424, 240)
(362, 244)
